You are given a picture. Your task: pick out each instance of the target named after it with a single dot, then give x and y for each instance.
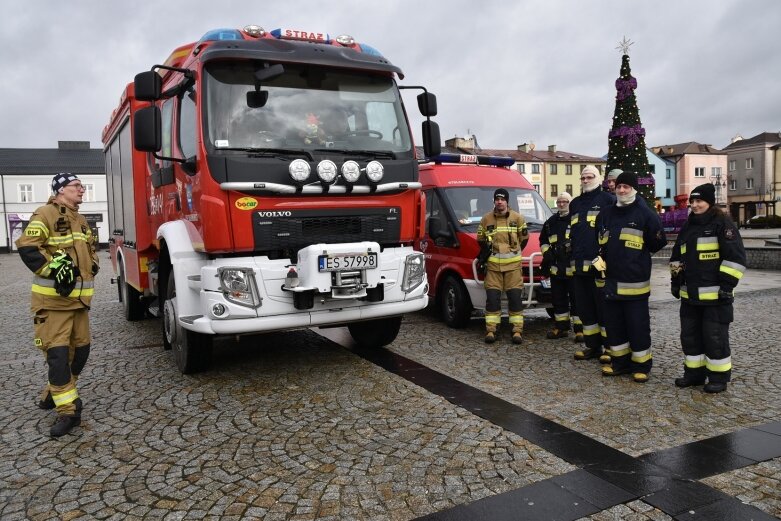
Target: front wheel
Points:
(375, 333)
(455, 304)
(192, 351)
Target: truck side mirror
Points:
(427, 104)
(148, 86)
(431, 141)
(147, 133)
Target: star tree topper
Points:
(624, 45)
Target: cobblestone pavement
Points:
(291, 426)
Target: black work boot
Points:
(517, 338)
(557, 333)
(64, 424)
(47, 403)
(688, 380)
(715, 387)
(490, 337)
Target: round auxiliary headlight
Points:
(255, 30)
(374, 171)
(326, 170)
(299, 170)
(345, 39)
(218, 309)
(351, 171)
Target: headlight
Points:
(351, 171)
(374, 171)
(414, 272)
(238, 286)
(299, 170)
(326, 171)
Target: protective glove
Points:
(63, 272)
(676, 268)
(600, 265)
(95, 268)
(725, 295)
(676, 291)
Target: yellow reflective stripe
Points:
(600, 283)
(718, 366)
(51, 292)
(553, 238)
(561, 316)
(570, 272)
(603, 331)
(630, 234)
(576, 320)
(641, 356)
(683, 249)
(707, 244)
(708, 293)
(603, 239)
(619, 350)
(591, 329)
(37, 225)
(65, 398)
(493, 319)
(49, 283)
(732, 268)
(574, 220)
(633, 288)
(516, 319)
(515, 258)
(554, 270)
(544, 248)
(694, 362)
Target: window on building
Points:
(582, 167)
(535, 168)
(733, 184)
(699, 171)
(26, 193)
(715, 171)
(749, 183)
(568, 169)
(568, 189)
(537, 187)
(554, 190)
(749, 163)
(733, 165)
(669, 174)
(521, 168)
(553, 168)
(89, 192)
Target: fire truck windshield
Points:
(307, 108)
(469, 204)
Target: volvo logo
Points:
(276, 214)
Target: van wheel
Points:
(375, 333)
(131, 298)
(192, 351)
(455, 304)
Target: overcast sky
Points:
(510, 72)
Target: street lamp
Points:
(719, 185)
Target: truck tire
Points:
(454, 303)
(192, 351)
(130, 298)
(375, 333)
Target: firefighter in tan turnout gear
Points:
(502, 235)
(58, 247)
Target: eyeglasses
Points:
(587, 178)
(77, 186)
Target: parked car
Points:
(763, 221)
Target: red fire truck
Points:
(267, 180)
(459, 191)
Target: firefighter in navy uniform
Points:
(707, 261)
(584, 210)
(58, 247)
(629, 233)
(555, 247)
(503, 234)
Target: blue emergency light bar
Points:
(474, 160)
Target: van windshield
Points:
(469, 204)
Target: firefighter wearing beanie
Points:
(502, 234)
(556, 252)
(586, 281)
(58, 247)
(707, 261)
(629, 234)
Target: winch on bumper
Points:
(330, 284)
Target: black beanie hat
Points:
(501, 192)
(704, 192)
(62, 180)
(627, 178)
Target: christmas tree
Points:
(627, 136)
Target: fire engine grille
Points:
(295, 229)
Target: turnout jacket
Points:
(710, 254)
(583, 211)
(628, 236)
(507, 235)
(57, 227)
(555, 245)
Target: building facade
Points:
(696, 164)
(753, 175)
(25, 184)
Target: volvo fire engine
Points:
(459, 190)
(267, 180)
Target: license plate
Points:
(347, 261)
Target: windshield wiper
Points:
(374, 153)
(272, 152)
